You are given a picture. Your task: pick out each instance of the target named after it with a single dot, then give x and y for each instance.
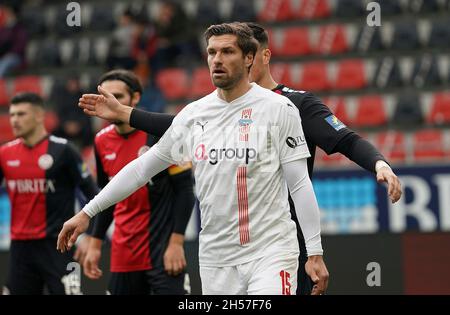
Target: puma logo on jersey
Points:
(111, 157)
(201, 125)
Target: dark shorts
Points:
(36, 267)
(155, 281)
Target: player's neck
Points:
(35, 137)
(237, 91)
(267, 81)
(124, 129)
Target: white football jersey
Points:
(237, 150)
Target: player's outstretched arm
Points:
(106, 106)
(307, 210)
(133, 176)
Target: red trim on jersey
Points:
(244, 233)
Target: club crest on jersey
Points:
(111, 156)
(45, 161)
(143, 149)
(245, 123)
(335, 122)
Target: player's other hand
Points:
(174, 259)
(90, 265)
(386, 175)
(316, 269)
(71, 230)
(82, 249)
(104, 105)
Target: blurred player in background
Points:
(248, 242)
(41, 173)
(147, 255)
(322, 129)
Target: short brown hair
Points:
(245, 40)
(127, 77)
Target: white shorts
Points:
(272, 275)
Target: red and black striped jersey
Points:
(145, 220)
(41, 183)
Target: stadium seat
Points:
(428, 144)
(349, 8)
(207, 12)
(332, 40)
(6, 133)
(313, 9)
(350, 75)
(408, 110)
(314, 76)
(405, 36)
(102, 18)
(392, 145)
(27, 84)
(48, 53)
(201, 83)
(426, 72)
(440, 109)
(370, 111)
(295, 42)
(243, 11)
(368, 39)
(440, 34)
(338, 108)
(276, 10)
(51, 121)
(281, 72)
(173, 83)
(34, 21)
(390, 7)
(424, 6)
(387, 73)
(4, 95)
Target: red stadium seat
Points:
(350, 75)
(201, 83)
(440, 109)
(4, 95)
(332, 40)
(173, 83)
(392, 145)
(6, 133)
(314, 77)
(276, 10)
(51, 121)
(281, 72)
(370, 111)
(428, 145)
(295, 42)
(338, 108)
(314, 9)
(27, 84)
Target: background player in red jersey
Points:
(147, 255)
(41, 173)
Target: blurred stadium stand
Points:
(389, 83)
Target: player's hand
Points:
(317, 271)
(90, 265)
(104, 105)
(71, 230)
(385, 174)
(82, 249)
(174, 259)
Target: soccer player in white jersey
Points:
(246, 143)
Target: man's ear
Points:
(249, 60)
(135, 99)
(39, 113)
(267, 54)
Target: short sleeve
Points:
(292, 143)
(173, 147)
